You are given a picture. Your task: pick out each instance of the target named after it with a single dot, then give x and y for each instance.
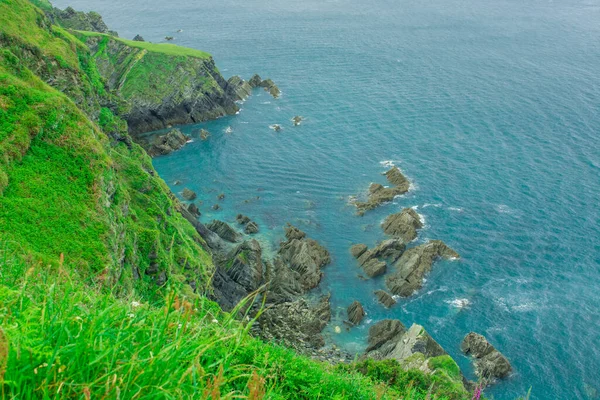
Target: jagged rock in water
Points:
(255, 81)
(165, 144)
(238, 88)
(216, 207)
(358, 249)
(356, 313)
(276, 128)
(242, 219)
(169, 38)
(403, 224)
(270, 87)
(394, 342)
(221, 196)
(374, 268)
(490, 364)
(383, 337)
(251, 228)
(193, 209)
(414, 264)
(384, 298)
(296, 324)
(188, 194)
(78, 20)
(204, 134)
(378, 194)
(138, 38)
(304, 256)
(390, 249)
(224, 231)
(297, 120)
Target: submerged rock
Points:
(358, 249)
(251, 228)
(297, 120)
(165, 144)
(221, 196)
(238, 88)
(188, 194)
(378, 194)
(384, 298)
(403, 224)
(490, 364)
(204, 134)
(224, 231)
(356, 313)
(216, 207)
(414, 264)
(242, 219)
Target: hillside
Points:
(105, 285)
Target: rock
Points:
(390, 249)
(385, 334)
(358, 249)
(251, 228)
(390, 340)
(193, 209)
(414, 264)
(224, 231)
(356, 313)
(169, 38)
(165, 144)
(378, 194)
(291, 233)
(403, 224)
(270, 87)
(238, 88)
(374, 268)
(177, 183)
(78, 20)
(242, 219)
(138, 38)
(189, 194)
(297, 120)
(221, 196)
(490, 364)
(216, 207)
(276, 128)
(204, 134)
(384, 298)
(255, 81)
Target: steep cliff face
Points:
(162, 84)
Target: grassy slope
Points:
(78, 215)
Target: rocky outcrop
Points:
(267, 84)
(403, 224)
(490, 364)
(242, 219)
(384, 298)
(255, 81)
(204, 134)
(188, 194)
(276, 127)
(384, 336)
(414, 264)
(138, 38)
(358, 249)
(356, 313)
(193, 209)
(78, 20)
(251, 228)
(160, 145)
(224, 231)
(238, 88)
(371, 260)
(297, 120)
(374, 268)
(378, 194)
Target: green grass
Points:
(161, 48)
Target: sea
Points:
(490, 108)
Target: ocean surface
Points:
(491, 108)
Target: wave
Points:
(458, 303)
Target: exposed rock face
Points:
(490, 364)
(374, 268)
(78, 20)
(384, 298)
(403, 224)
(188, 194)
(390, 339)
(383, 337)
(255, 81)
(251, 228)
(242, 219)
(390, 249)
(238, 88)
(414, 264)
(270, 87)
(378, 194)
(204, 134)
(224, 231)
(193, 209)
(164, 144)
(370, 260)
(356, 313)
(138, 38)
(175, 91)
(358, 249)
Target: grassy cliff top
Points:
(163, 48)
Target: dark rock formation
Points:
(164, 144)
(384, 298)
(204, 134)
(251, 228)
(356, 313)
(297, 120)
(221, 196)
(193, 209)
(138, 38)
(169, 38)
(378, 194)
(188, 194)
(242, 219)
(238, 88)
(374, 268)
(384, 336)
(490, 364)
(276, 128)
(224, 231)
(216, 207)
(358, 249)
(414, 264)
(78, 20)
(270, 87)
(255, 81)
(403, 224)
(390, 249)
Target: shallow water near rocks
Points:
(490, 108)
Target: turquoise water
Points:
(491, 108)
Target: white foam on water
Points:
(458, 303)
(436, 205)
(387, 163)
(228, 129)
(266, 102)
(190, 141)
(524, 307)
(504, 209)
(457, 209)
